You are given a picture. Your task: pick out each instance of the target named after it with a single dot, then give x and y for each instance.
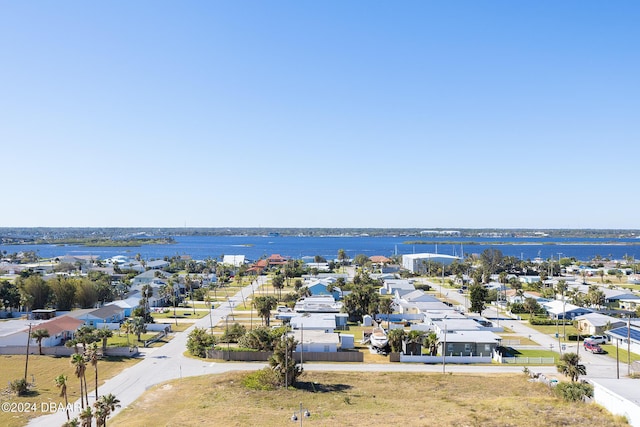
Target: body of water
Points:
(254, 247)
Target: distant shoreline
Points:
(504, 243)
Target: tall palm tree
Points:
(562, 287)
(39, 335)
(264, 305)
(92, 357)
(104, 407)
(80, 365)
(571, 367)
(385, 306)
(430, 341)
(61, 383)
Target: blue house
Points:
(320, 287)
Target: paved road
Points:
(161, 364)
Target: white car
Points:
(596, 339)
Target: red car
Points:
(593, 348)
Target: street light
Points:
(304, 413)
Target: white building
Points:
(419, 263)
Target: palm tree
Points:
(146, 292)
(86, 416)
(264, 305)
(71, 423)
(342, 257)
(104, 407)
(104, 334)
(39, 335)
(77, 360)
(430, 341)
(561, 288)
(127, 326)
(570, 366)
(61, 383)
(138, 326)
(92, 357)
(385, 306)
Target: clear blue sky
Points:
(320, 113)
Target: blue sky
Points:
(320, 114)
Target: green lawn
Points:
(121, 341)
(534, 353)
(622, 353)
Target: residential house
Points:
(558, 310)
(99, 316)
(149, 276)
(468, 342)
(127, 304)
(61, 329)
(315, 341)
(276, 260)
(318, 304)
(419, 263)
(321, 287)
(325, 322)
(625, 337)
(596, 323)
(389, 286)
(234, 260)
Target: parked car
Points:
(593, 348)
(596, 339)
(284, 309)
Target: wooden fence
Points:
(307, 356)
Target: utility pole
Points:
(26, 364)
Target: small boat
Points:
(379, 338)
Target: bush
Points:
(541, 321)
(422, 286)
(199, 341)
(574, 392)
(264, 379)
(19, 387)
(234, 333)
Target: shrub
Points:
(547, 322)
(199, 341)
(19, 387)
(234, 333)
(574, 392)
(264, 379)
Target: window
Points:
(467, 348)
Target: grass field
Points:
(362, 399)
(44, 369)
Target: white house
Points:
(391, 285)
(318, 304)
(234, 260)
(60, 329)
(595, 323)
(419, 263)
(558, 310)
(325, 322)
(315, 341)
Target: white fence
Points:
(61, 350)
(448, 359)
